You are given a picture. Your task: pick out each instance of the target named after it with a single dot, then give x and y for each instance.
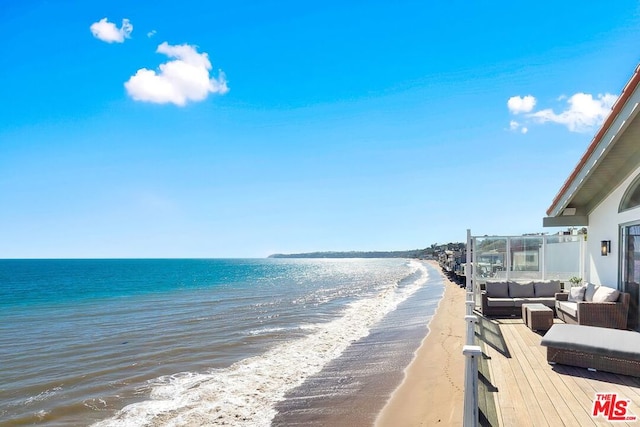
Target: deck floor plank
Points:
(597, 382)
(532, 392)
(546, 396)
(507, 409)
(552, 381)
(565, 403)
(535, 388)
(508, 412)
(560, 394)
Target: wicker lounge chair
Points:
(603, 314)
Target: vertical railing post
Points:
(583, 259)
(543, 255)
(509, 261)
(471, 353)
(469, 350)
(469, 267)
(471, 328)
(471, 304)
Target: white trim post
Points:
(471, 328)
(470, 416)
(509, 261)
(471, 304)
(468, 283)
(543, 255)
(469, 272)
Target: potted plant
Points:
(575, 281)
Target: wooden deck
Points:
(525, 390)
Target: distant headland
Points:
(416, 253)
(427, 253)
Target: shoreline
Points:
(432, 389)
(352, 389)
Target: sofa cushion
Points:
(589, 291)
(500, 302)
(593, 339)
(546, 289)
(605, 294)
(549, 302)
(497, 289)
(517, 302)
(571, 308)
(521, 290)
(576, 293)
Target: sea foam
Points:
(245, 393)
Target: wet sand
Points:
(432, 390)
(353, 388)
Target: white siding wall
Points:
(604, 224)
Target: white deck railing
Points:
(471, 352)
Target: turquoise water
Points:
(187, 342)
(36, 282)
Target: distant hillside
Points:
(415, 253)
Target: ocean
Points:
(191, 342)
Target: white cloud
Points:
(186, 78)
(515, 126)
(583, 113)
(521, 104)
(108, 32)
(151, 33)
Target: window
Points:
(631, 198)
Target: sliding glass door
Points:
(630, 269)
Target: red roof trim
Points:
(615, 110)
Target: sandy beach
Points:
(432, 390)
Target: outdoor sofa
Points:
(602, 349)
(593, 305)
(505, 298)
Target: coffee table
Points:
(537, 317)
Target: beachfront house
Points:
(602, 193)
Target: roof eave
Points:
(563, 197)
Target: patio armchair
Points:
(590, 312)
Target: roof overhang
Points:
(565, 221)
(610, 158)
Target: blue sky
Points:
(240, 129)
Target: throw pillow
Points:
(605, 294)
(576, 293)
(590, 290)
(521, 290)
(546, 289)
(497, 289)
